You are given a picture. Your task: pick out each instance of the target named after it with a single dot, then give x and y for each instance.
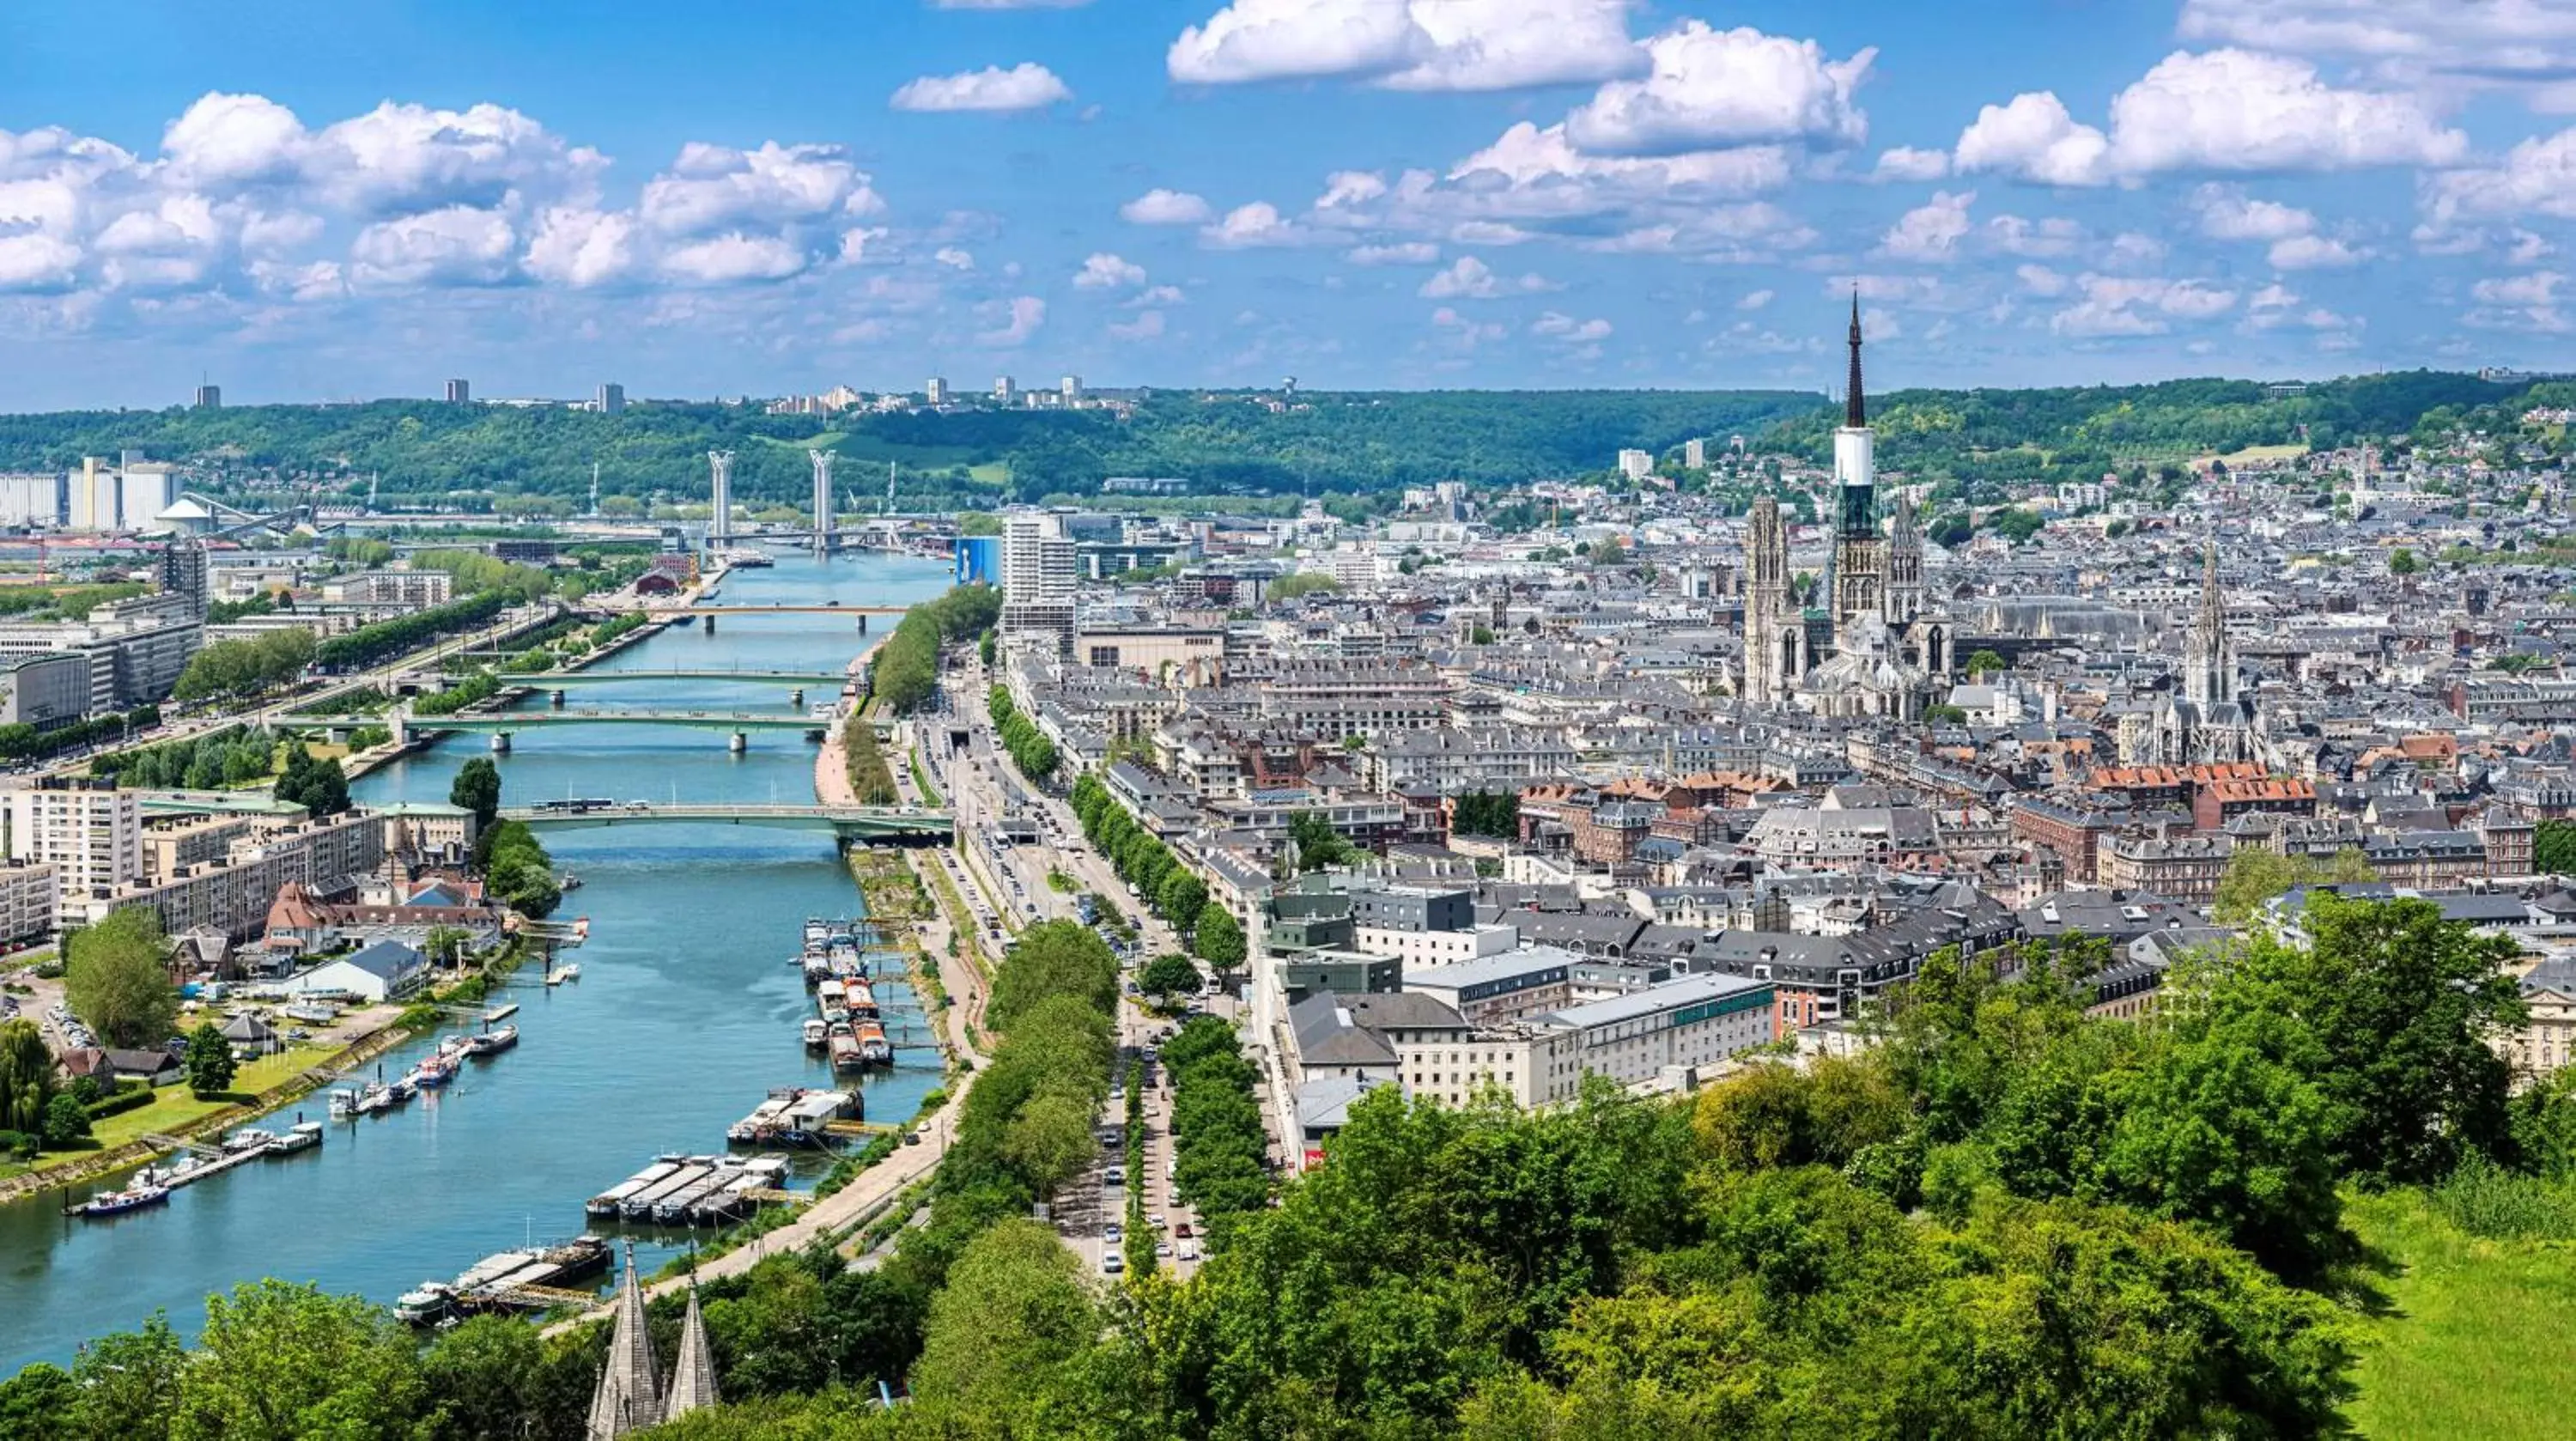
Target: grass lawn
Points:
(2257, 454)
(2479, 1337)
(175, 1106)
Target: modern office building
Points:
(135, 648)
(459, 393)
(1006, 390)
(210, 397)
(1039, 576)
(936, 392)
(1072, 390)
(44, 691)
(612, 399)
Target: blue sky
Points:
(307, 201)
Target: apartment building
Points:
(408, 589)
(27, 902)
(135, 648)
(87, 830)
(232, 891)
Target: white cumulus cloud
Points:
(1103, 271)
(1016, 320)
(2226, 110)
(1714, 88)
(1025, 86)
(1930, 232)
(1165, 207)
(1471, 279)
(1908, 163)
(460, 245)
(1410, 252)
(1458, 45)
(1248, 227)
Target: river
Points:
(685, 1014)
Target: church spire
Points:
(693, 1375)
(1854, 414)
(628, 1398)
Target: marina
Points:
(526, 1279)
(647, 1054)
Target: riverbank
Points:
(685, 1016)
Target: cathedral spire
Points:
(628, 1397)
(693, 1375)
(1855, 415)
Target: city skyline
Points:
(1366, 194)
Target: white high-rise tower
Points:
(822, 500)
(720, 507)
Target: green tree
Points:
(1319, 846)
(66, 1122)
(280, 1362)
(40, 1400)
(26, 1076)
(1013, 1317)
(1301, 583)
(115, 977)
(1051, 1139)
(1985, 662)
(2405, 1009)
(1180, 898)
(1218, 939)
(2224, 1127)
(1055, 958)
(477, 788)
(129, 1384)
(2403, 562)
(1167, 977)
(209, 1061)
(2553, 847)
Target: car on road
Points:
(1182, 1230)
(1111, 1263)
(1162, 1248)
(1189, 1250)
(1113, 1233)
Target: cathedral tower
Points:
(2208, 653)
(1774, 635)
(1860, 551)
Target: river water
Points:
(685, 1014)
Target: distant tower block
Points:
(822, 500)
(720, 509)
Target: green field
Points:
(2261, 454)
(2478, 1336)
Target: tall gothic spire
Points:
(628, 1398)
(1854, 414)
(693, 1375)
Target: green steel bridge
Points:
(857, 823)
(501, 725)
(557, 680)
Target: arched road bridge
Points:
(858, 823)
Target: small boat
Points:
(873, 1050)
(815, 1033)
(817, 930)
(344, 1104)
(132, 1198)
(846, 1055)
(424, 1303)
(249, 1138)
(434, 1071)
(568, 882)
(401, 1091)
(375, 1098)
(302, 1136)
(492, 1042)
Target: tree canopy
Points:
(116, 977)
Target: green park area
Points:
(2470, 1337)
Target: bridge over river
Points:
(858, 823)
(501, 725)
